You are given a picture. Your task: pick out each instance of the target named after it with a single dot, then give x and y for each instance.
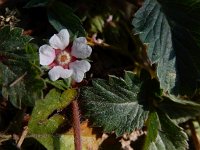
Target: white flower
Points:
(62, 57)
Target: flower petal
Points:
(81, 40)
(66, 73)
(47, 55)
(79, 68)
(56, 72)
(80, 49)
(60, 40)
(56, 43)
(64, 37)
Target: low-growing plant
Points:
(100, 75)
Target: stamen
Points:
(63, 58)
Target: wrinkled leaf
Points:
(32, 53)
(11, 40)
(21, 82)
(18, 89)
(178, 109)
(186, 37)
(185, 26)
(163, 134)
(116, 105)
(153, 28)
(171, 29)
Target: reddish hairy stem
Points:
(76, 125)
(194, 135)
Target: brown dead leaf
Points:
(90, 141)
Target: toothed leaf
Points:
(116, 105)
(19, 73)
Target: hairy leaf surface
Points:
(163, 134)
(152, 25)
(171, 30)
(185, 26)
(179, 109)
(117, 105)
(21, 82)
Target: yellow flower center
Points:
(63, 58)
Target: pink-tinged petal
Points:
(54, 73)
(78, 77)
(79, 69)
(64, 37)
(60, 40)
(59, 72)
(66, 73)
(56, 43)
(46, 54)
(80, 49)
(81, 40)
(95, 40)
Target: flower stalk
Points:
(66, 59)
(76, 125)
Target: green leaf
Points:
(43, 121)
(171, 29)
(66, 140)
(37, 3)
(31, 51)
(186, 11)
(60, 15)
(185, 27)
(163, 134)
(54, 22)
(60, 84)
(179, 109)
(152, 130)
(116, 105)
(21, 82)
(11, 40)
(153, 28)
(21, 89)
(55, 142)
(97, 24)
